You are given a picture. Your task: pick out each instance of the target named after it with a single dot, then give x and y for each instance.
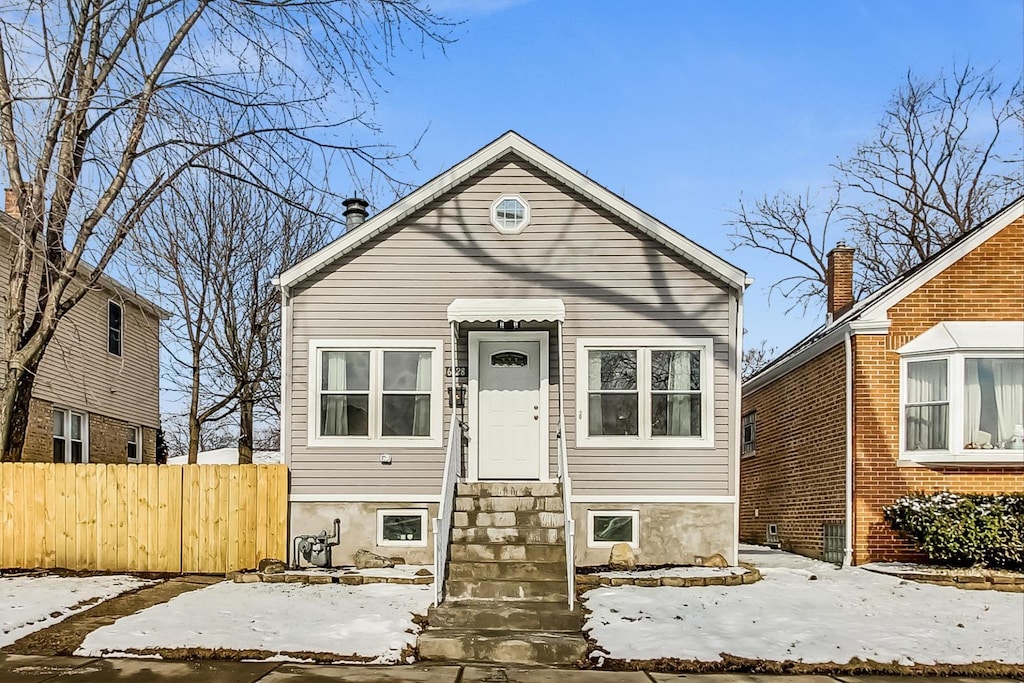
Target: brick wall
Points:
(108, 438)
(796, 476)
(987, 284)
(39, 437)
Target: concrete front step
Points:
(534, 519)
(501, 552)
(500, 489)
(512, 534)
(508, 504)
(508, 571)
(496, 589)
(512, 647)
(488, 615)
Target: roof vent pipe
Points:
(355, 212)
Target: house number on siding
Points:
(460, 371)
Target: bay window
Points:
(653, 392)
(965, 405)
(385, 392)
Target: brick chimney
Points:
(839, 280)
(355, 212)
(11, 203)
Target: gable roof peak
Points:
(511, 141)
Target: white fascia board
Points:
(513, 142)
(832, 338)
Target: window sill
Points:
(973, 458)
(640, 444)
(362, 442)
(748, 454)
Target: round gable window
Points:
(509, 214)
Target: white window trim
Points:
(121, 346)
(494, 215)
(138, 446)
(594, 543)
(403, 512)
(644, 438)
(67, 432)
(316, 349)
(956, 454)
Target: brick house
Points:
(918, 387)
(97, 394)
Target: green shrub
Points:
(963, 529)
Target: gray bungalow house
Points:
(507, 372)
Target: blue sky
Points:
(682, 106)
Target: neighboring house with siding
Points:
(97, 395)
(593, 346)
(918, 387)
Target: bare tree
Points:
(103, 105)
(212, 246)
(946, 154)
(263, 236)
(755, 359)
(795, 227)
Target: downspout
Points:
(734, 415)
(286, 392)
(848, 521)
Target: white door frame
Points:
(475, 337)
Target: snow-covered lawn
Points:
(372, 623)
(809, 611)
(32, 603)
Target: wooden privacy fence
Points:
(142, 518)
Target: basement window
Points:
(608, 527)
(407, 527)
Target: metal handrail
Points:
(452, 460)
(563, 475)
(443, 521)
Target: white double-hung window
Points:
(375, 392)
(962, 394)
(644, 392)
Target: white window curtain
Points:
(927, 411)
(683, 410)
(334, 410)
(421, 414)
(972, 405)
(1008, 377)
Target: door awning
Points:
(494, 310)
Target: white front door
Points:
(511, 408)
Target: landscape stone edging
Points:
(984, 582)
(344, 579)
(588, 581)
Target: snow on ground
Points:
(32, 603)
(683, 572)
(836, 616)
(372, 621)
(227, 456)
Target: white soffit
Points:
(493, 310)
(974, 335)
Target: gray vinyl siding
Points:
(614, 280)
(76, 370)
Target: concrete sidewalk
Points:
(37, 669)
